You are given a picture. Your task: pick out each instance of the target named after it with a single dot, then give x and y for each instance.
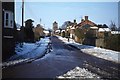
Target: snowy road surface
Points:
(95, 51)
(64, 62)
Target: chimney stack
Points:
(86, 17)
(74, 20)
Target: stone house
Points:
(90, 29)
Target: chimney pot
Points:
(82, 20)
(86, 17)
(74, 20)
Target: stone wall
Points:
(90, 41)
(100, 43)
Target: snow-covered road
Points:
(65, 62)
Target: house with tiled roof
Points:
(89, 33)
(90, 29)
(86, 23)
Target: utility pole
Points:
(22, 27)
(22, 13)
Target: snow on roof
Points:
(46, 32)
(57, 31)
(62, 30)
(94, 27)
(104, 30)
(115, 32)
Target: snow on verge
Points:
(28, 52)
(78, 72)
(95, 51)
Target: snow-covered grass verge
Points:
(30, 49)
(28, 52)
(95, 51)
(78, 72)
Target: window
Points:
(8, 19)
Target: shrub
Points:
(80, 34)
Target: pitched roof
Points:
(102, 26)
(86, 22)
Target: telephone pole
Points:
(22, 13)
(22, 27)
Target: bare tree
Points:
(119, 27)
(113, 26)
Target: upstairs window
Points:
(8, 19)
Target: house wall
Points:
(72, 34)
(0, 39)
(100, 34)
(8, 43)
